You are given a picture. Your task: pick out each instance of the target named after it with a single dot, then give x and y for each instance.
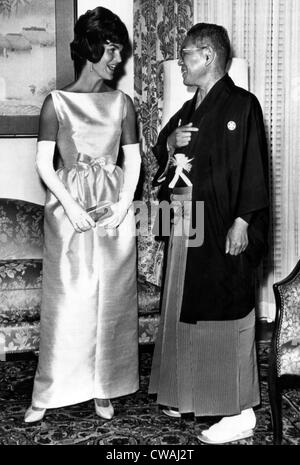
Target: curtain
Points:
(267, 34)
(159, 28)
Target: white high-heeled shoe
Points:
(104, 412)
(32, 415)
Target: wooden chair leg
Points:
(276, 405)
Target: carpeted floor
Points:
(138, 420)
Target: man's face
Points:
(192, 62)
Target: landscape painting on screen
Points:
(27, 55)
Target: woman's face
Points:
(110, 59)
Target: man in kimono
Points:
(205, 358)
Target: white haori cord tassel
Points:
(182, 163)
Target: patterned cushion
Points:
(19, 338)
(21, 229)
(148, 327)
(20, 291)
(148, 298)
(289, 335)
(290, 358)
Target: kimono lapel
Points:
(184, 118)
(212, 104)
(203, 118)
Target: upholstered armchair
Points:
(21, 264)
(284, 364)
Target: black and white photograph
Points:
(150, 226)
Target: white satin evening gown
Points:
(89, 326)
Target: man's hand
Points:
(237, 237)
(181, 136)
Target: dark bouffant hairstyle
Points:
(91, 31)
(218, 37)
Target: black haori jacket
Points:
(229, 173)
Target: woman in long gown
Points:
(89, 341)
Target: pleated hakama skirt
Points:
(208, 368)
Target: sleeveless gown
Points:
(89, 328)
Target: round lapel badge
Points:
(231, 125)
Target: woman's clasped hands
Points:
(79, 218)
(82, 221)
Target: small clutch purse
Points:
(100, 212)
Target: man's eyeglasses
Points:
(189, 51)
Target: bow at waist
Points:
(86, 161)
